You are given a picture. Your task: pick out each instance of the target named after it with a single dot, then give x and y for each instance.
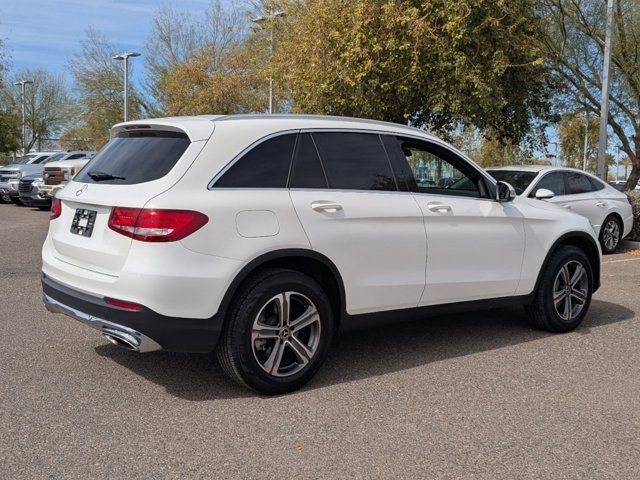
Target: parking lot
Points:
(475, 395)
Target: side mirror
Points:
(505, 192)
(544, 194)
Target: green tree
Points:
(98, 85)
(571, 132)
(573, 42)
(434, 63)
(9, 120)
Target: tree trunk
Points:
(634, 176)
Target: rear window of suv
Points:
(135, 157)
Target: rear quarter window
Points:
(266, 165)
(136, 157)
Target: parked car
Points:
(10, 176)
(260, 236)
(28, 192)
(57, 174)
(618, 184)
(608, 210)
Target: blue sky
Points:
(46, 33)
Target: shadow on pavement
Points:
(364, 353)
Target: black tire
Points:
(238, 353)
(610, 220)
(543, 312)
(5, 199)
(17, 201)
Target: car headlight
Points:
(19, 174)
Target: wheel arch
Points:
(308, 262)
(615, 214)
(582, 241)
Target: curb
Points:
(629, 245)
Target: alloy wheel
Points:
(611, 234)
(286, 334)
(570, 290)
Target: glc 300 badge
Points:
(81, 190)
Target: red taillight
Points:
(126, 305)
(56, 209)
(151, 225)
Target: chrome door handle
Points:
(567, 206)
(324, 206)
(438, 207)
(601, 204)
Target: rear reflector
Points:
(126, 305)
(56, 209)
(153, 225)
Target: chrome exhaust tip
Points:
(117, 334)
(122, 339)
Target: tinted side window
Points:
(264, 166)
(577, 183)
(355, 161)
(77, 155)
(551, 181)
(596, 184)
(41, 159)
(307, 170)
(401, 169)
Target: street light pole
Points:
(22, 84)
(125, 57)
(604, 100)
(586, 140)
(271, 18)
(555, 155)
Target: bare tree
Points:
(174, 39)
(574, 43)
(201, 66)
(98, 85)
(47, 102)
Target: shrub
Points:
(634, 199)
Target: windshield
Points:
(26, 159)
(518, 179)
(135, 157)
(54, 158)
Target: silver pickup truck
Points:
(10, 176)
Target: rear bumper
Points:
(149, 330)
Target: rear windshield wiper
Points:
(99, 176)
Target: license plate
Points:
(83, 222)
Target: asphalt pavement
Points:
(474, 395)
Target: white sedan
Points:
(607, 209)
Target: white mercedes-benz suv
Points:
(260, 236)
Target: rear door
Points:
(345, 194)
(142, 165)
(580, 197)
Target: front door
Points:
(475, 245)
